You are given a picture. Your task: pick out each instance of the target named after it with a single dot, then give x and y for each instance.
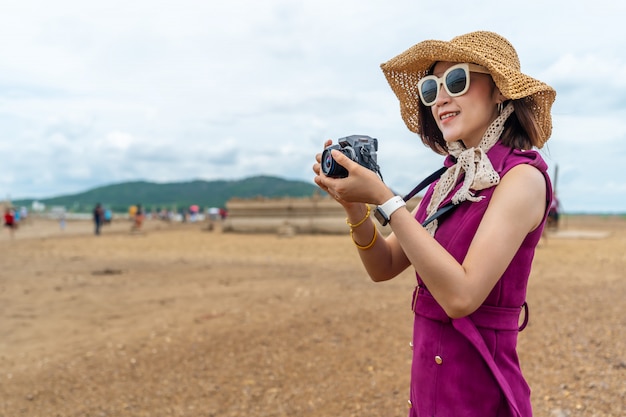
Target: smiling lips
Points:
(448, 115)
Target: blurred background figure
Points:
(553, 213)
(62, 220)
(138, 218)
(9, 221)
(214, 216)
(98, 218)
(194, 211)
(23, 214)
(108, 216)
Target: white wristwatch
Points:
(384, 211)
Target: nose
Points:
(442, 95)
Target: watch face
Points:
(381, 216)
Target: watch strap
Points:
(385, 210)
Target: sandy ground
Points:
(181, 321)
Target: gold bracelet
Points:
(369, 245)
(360, 222)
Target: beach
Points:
(180, 320)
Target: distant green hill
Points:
(179, 195)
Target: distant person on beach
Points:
(138, 219)
(62, 220)
(98, 218)
(9, 221)
(108, 216)
(214, 216)
(467, 100)
(554, 212)
(23, 214)
(16, 218)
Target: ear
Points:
(500, 98)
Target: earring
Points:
(500, 107)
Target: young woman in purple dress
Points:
(469, 101)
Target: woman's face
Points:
(466, 117)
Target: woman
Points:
(468, 100)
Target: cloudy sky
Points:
(95, 92)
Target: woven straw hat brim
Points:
(482, 48)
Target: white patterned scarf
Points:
(474, 162)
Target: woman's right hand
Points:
(362, 185)
(330, 184)
(317, 168)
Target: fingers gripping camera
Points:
(359, 148)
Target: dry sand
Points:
(180, 321)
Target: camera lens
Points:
(330, 167)
(328, 162)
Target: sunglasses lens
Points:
(429, 91)
(456, 81)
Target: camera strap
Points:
(425, 183)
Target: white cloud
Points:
(101, 92)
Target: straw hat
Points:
(487, 49)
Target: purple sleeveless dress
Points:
(469, 367)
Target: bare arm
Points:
(516, 208)
(385, 259)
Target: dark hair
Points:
(521, 130)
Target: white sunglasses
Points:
(456, 81)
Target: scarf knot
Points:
(474, 163)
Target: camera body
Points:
(359, 148)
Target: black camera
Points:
(359, 148)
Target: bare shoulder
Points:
(525, 178)
(522, 194)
